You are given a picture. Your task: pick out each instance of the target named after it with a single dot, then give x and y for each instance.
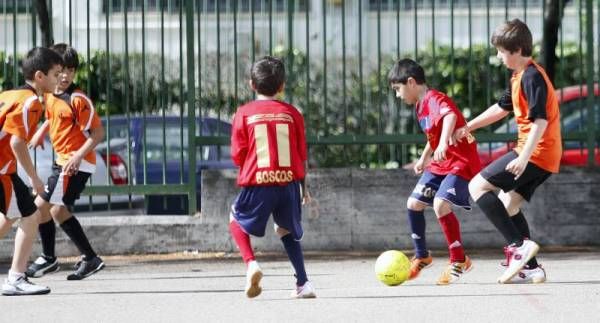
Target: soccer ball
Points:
(392, 268)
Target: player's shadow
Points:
(98, 277)
(137, 292)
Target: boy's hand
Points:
(419, 166)
(36, 141)
(306, 198)
(459, 134)
(37, 185)
(72, 166)
(517, 166)
(440, 153)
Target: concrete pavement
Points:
(209, 288)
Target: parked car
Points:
(115, 175)
(573, 113)
(166, 153)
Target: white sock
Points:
(13, 276)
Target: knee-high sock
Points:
(451, 228)
(294, 252)
(493, 208)
(73, 229)
(242, 240)
(48, 237)
(416, 221)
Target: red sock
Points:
(451, 229)
(242, 239)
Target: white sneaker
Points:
(519, 256)
(526, 276)
(22, 286)
(305, 291)
(253, 277)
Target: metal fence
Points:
(146, 62)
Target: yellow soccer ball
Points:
(392, 267)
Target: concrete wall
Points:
(353, 209)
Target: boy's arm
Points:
(72, 165)
(239, 144)
(19, 147)
(423, 160)
(517, 166)
(306, 198)
(449, 121)
(487, 117)
(38, 138)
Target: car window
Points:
(171, 147)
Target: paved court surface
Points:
(146, 289)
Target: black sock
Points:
(48, 237)
(493, 208)
(73, 229)
(521, 224)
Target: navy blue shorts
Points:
(451, 188)
(255, 204)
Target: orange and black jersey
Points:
(20, 112)
(71, 115)
(531, 96)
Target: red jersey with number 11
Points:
(268, 143)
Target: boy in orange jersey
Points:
(20, 112)
(75, 130)
(517, 174)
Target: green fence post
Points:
(189, 37)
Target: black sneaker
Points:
(41, 266)
(87, 268)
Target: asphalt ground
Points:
(208, 287)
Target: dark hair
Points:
(68, 54)
(268, 75)
(39, 59)
(405, 68)
(512, 36)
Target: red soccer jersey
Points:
(462, 159)
(268, 143)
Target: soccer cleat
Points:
(519, 256)
(87, 268)
(22, 286)
(529, 276)
(454, 271)
(253, 276)
(41, 266)
(505, 262)
(305, 291)
(418, 264)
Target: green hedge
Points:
(473, 78)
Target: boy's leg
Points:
(417, 224)
(47, 228)
(47, 262)
(451, 229)
(512, 202)
(482, 189)
(5, 224)
(294, 252)
(17, 283)
(242, 240)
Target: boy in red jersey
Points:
(75, 130)
(268, 144)
(20, 112)
(445, 180)
(539, 148)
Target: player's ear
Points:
(38, 76)
(281, 88)
(251, 84)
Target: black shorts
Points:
(532, 177)
(62, 189)
(12, 188)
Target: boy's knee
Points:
(441, 207)
(280, 231)
(414, 204)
